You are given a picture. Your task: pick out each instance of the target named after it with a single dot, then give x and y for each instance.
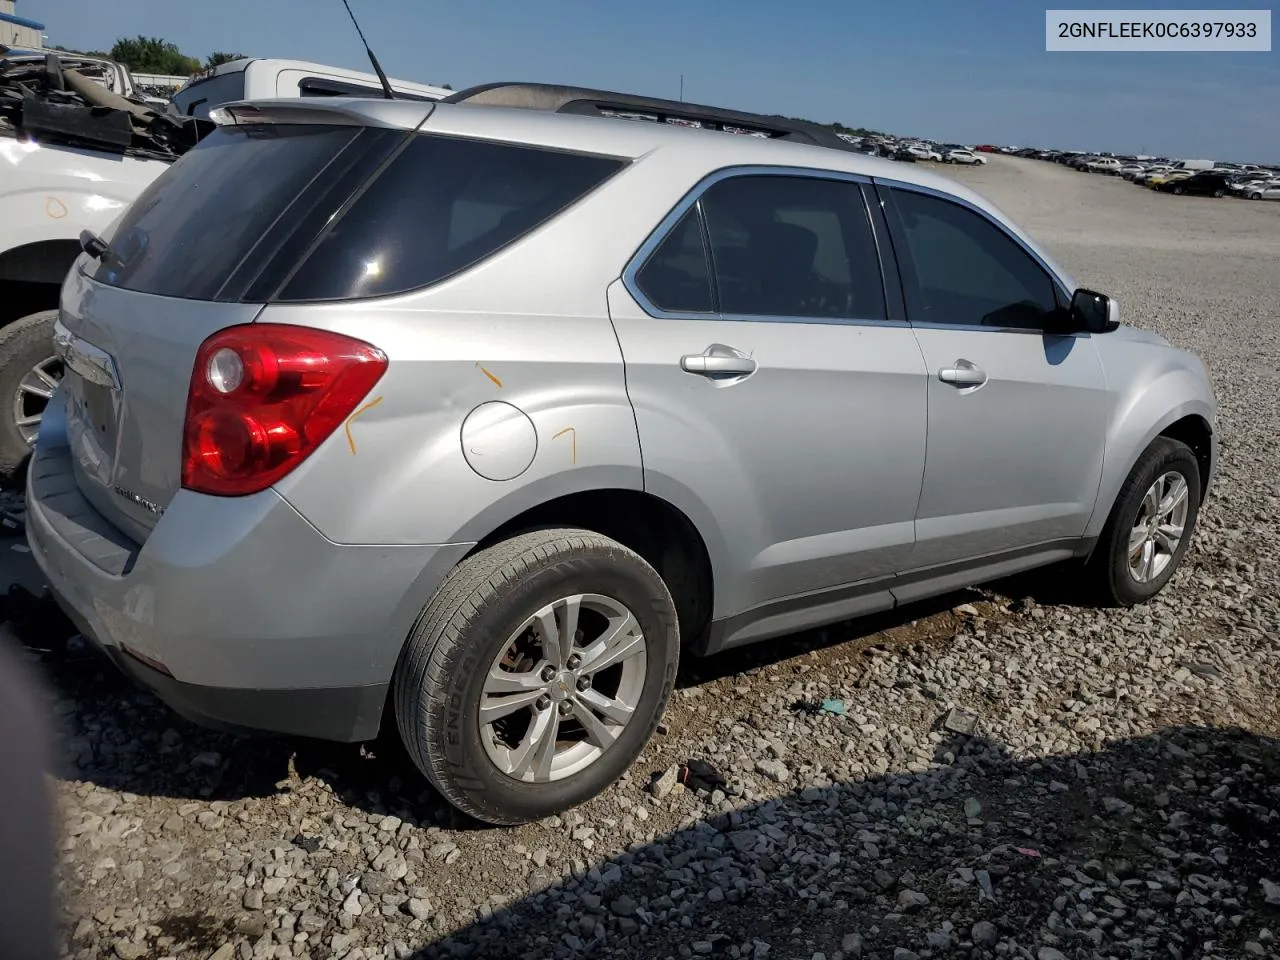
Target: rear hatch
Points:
(200, 250)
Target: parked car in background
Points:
(987, 148)
(963, 155)
(921, 152)
(1207, 183)
(1269, 190)
(1107, 165)
(1167, 176)
(536, 317)
(1131, 170)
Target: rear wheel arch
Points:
(654, 528)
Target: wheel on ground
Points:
(536, 674)
(1255, 196)
(1178, 191)
(1151, 524)
(29, 372)
(1218, 194)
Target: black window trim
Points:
(906, 270)
(894, 317)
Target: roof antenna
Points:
(377, 67)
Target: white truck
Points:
(77, 146)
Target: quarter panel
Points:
(397, 473)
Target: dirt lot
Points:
(1118, 797)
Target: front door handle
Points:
(964, 373)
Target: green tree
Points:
(218, 58)
(153, 55)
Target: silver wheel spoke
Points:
(1148, 560)
(37, 389)
(1137, 537)
(611, 709)
(1169, 537)
(618, 643)
(1151, 502)
(549, 634)
(495, 708)
(29, 421)
(569, 610)
(538, 748)
(48, 379)
(1174, 498)
(598, 732)
(508, 681)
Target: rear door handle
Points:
(718, 359)
(964, 373)
(698, 363)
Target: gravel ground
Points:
(1004, 775)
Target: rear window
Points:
(202, 96)
(190, 229)
(441, 206)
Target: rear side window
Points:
(676, 277)
(189, 230)
(441, 206)
(787, 246)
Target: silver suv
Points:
(479, 417)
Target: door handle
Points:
(724, 360)
(964, 374)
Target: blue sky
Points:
(954, 71)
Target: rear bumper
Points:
(255, 620)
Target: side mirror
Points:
(1093, 312)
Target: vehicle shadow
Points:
(119, 736)
(1149, 847)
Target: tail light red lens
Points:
(263, 397)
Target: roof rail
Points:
(605, 103)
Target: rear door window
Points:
(441, 206)
(785, 246)
(676, 277)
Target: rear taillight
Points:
(263, 397)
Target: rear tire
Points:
(484, 623)
(26, 345)
(1218, 194)
(1139, 527)
(1177, 191)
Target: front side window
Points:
(790, 246)
(968, 271)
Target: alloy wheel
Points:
(1158, 529)
(32, 396)
(563, 688)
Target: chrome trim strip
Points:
(667, 223)
(91, 363)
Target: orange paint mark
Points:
(496, 382)
(346, 427)
(573, 441)
(54, 208)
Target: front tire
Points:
(536, 674)
(1150, 526)
(29, 372)
(1177, 191)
